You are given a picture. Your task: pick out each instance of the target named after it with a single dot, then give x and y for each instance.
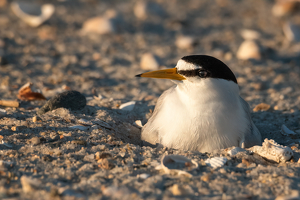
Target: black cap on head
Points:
(214, 67)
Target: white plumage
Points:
(201, 114)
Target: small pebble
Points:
(185, 42)
(249, 49)
(34, 119)
(249, 34)
(72, 100)
(35, 141)
(149, 62)
(99, 25)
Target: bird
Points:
(203, 111)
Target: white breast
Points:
(202, 116)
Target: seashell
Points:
(33, 14)
(216, 162)
(7, 144)
(102, 123)
(291, 31)
(249, 34)
(84, 122)
(249, 49)
(273, 151)
(2, 112)
(79, 127)
(149, 62)
(127, 106)
(177, 165)
(235, 151)
(143, 176)
(138, 124)
(286, 131)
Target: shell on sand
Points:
(177, 165)
(216, 162)
(273, 151)
(33, 14)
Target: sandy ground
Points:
(48, 159)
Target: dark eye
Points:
(203, 73)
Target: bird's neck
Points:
(209, 90)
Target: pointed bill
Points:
(163, 74)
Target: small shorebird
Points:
(203, 111)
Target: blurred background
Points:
(97, 47)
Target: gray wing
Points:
(150, 131)
(252, 135)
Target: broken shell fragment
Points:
(235, 151)
(286, 131)
(79, 127)
(102, 123)
(6, 144)
(84, 122)
(177, 165)
(216, 162)
(138, 124)
(127, 106)
(273, 151)
(33, 14)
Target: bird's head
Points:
(194, 68)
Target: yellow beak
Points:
(164, 74)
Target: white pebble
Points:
(99, 25)
(249, 49)
(127, 106)
(143, 176)
(149, 62)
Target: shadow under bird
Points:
(203, 111)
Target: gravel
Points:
(44, 158)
